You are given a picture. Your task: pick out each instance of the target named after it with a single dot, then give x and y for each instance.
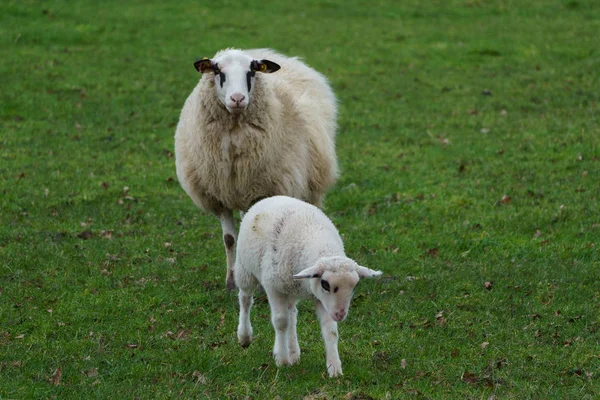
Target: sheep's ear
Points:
(365, 272)
(312, 272)
(203, 65)
(264, 66)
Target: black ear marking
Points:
(203, 65)
(264, 66)
(325, 285)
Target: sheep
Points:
(257, 124)
(295, 252)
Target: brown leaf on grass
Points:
(92, 372)
(403, 363)
(199, 377)
(21, 336)
(505, 199)
(85, 235)
(433, 252)
(183, 334)
(132, 346)
(469, 378)
(440, 318)
(484, 345)
(488, 285)
(56, 377)
(106, 234)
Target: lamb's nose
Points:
(340, 314)
(238, 98)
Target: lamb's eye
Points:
(335, 290)
(325, 285)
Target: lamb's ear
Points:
(365, 272)
(203, 65)
(312, 272)
(264, 66)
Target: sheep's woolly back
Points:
(280, 237)
(284, 143)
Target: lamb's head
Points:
(234, 73)
(334, 280)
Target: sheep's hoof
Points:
(245, 341)
(334, 370)
(294, 358)
(280, 361)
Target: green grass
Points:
(469, 145)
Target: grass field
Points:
(469, 146)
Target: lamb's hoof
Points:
(280, 361)
(334, 370)
(230, 282)
(245, 341)
(294, 358)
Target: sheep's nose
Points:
(340, 314)
(237, 98)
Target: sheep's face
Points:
(335, 290)
(334, 281)
(234, 75)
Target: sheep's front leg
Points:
(293, 346)
(244, 331)
(281, 322)
(329, 332)
(229, 238)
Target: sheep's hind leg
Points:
(294, 348)
(229, 238)
(329, 332)
(244, 331)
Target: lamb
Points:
(295, 252)
(257, 124)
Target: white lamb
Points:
(247, 133)
(295, 252)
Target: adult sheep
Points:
(258, 124)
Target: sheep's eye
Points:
(325, 285)
(221, 76)
(336, 289)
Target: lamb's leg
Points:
(244, 331)
(293, 346)
(229, 238)
(329, 332)
(281, 321)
